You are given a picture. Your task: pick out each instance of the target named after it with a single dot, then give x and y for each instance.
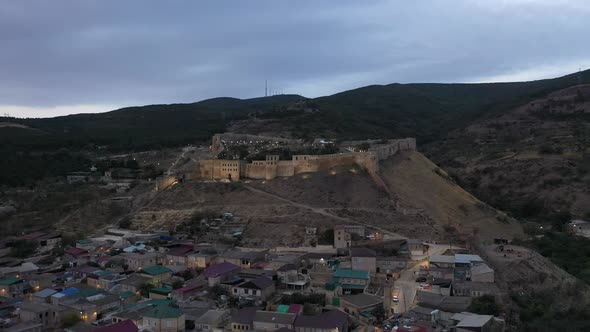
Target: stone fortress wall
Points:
(272, 167)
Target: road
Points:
(180, 156)
(407, 284)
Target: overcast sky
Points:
(61, 57)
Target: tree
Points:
(23, 248)
(484, 305)
(144, 289)
(177, 284)
(70, 320)
(327, 237)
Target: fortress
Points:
(272, 167)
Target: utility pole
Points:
(266, 88)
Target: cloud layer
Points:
(61, 56)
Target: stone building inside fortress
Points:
(272, 167)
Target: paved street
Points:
(407, 284)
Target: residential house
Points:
(290, 277)
(122, 326)
(348, 282)
(474, 288)
(182, 294)
(361, 306)
(157, 274)
(260, 288)
(443, 302)
(43, 296)
(109, 280)
(58, 297)
(268, 321)
(164, 317)
(441, 286)
(136, 261)
(76, 256)
(416, 247)
(466, 321)
(343, 235)
(13, 287)
(43, 313)
(243, 259)
(329, 321)
(441, 261)
(210, 320)
(177, 257)
(390, 264)
(200, 259)
(251, 274)
(134, 282)
(217, 273)
(242, 319)
(363, 259)
(24, 270)
(482, 273)
(160, 293)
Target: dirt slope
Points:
(420, 183)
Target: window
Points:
(235, 290)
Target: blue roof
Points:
(69, 291)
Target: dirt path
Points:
(323, 212)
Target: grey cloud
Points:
(140, 52)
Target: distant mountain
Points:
(137, 127)
(425, 111)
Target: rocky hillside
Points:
(533, 160)
(421, 201)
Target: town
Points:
(124, 280)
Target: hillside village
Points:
(212, 272)
(125, 280)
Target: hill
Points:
(532, 160)
(422, 202)
(138, 127)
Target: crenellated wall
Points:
(272, 167)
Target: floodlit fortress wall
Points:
(272, 167)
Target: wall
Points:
(272, 167)
(163, 182)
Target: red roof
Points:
(124, 326)
(75, 251)
(295, 308)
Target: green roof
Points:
(126, 295)
(351, 286)
(345, 273)
(10, 281)
(169, 310)
(367, 314)
(162, 290)
(283, 308)
(156, 270)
